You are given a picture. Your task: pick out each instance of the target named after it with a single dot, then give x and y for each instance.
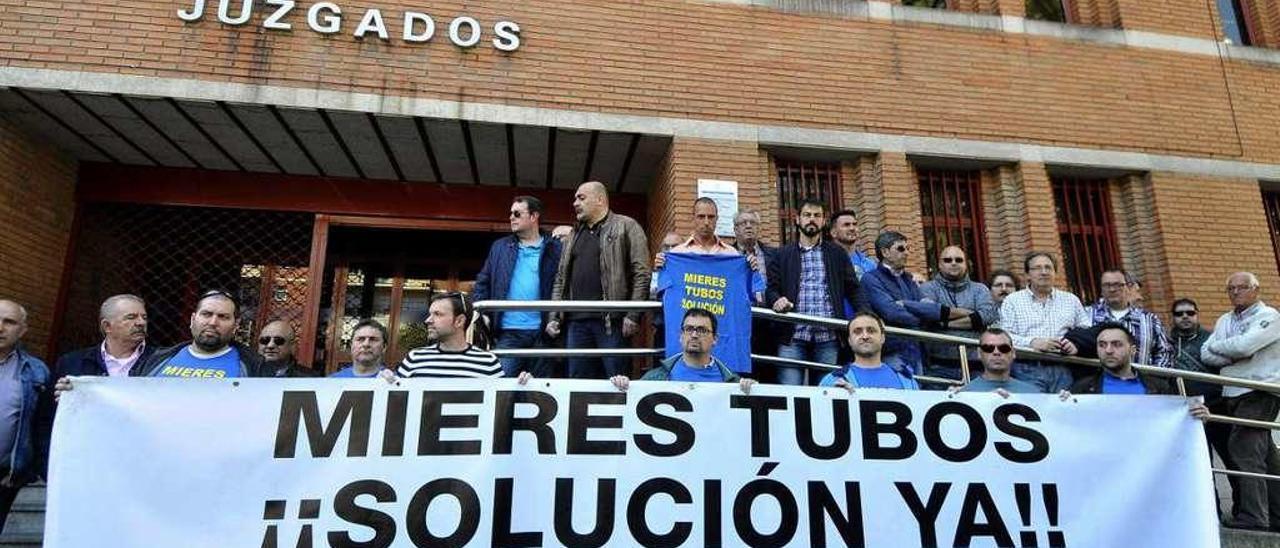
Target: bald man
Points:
(278, 346)
(24, 383)
(605, 259)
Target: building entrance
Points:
(390, 275)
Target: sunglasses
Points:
(900, 248)
(989, 348)
(516, 214)
(950, 260)
(1184, 313)
(268, 340)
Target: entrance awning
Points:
(263, 138)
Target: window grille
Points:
(800, 180)
(951, 211)
(1087, 232)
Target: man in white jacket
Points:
(1246, 342)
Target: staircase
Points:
(25, 526)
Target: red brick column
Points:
(37, 198)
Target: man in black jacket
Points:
(811, 277)
(123, 322)
(1116, 349)
(278, 346)
(212, 352)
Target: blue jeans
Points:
(591, 333)
(1049, 377)
(824, 352)
(520, 338)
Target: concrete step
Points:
(1236, 538)
(25, 525)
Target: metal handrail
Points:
(923, 336)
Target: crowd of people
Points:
(825, 272)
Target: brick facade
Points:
(37, 189)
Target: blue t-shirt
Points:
(1012, 386)
(682, 372)
(1113, 385)
(186, 364)
(524, 287)
(349, 372)
(861, 377)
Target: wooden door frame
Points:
(320, 254)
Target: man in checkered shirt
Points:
(1038, 317)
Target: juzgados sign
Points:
(327, 18)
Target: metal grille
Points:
(1271, 201)
(168, 255)
(800, 180)
(1087, 232)
(951, 210)
(1050, 10)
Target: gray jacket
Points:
(624, 264)
(961, 294)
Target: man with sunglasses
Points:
(892, 294)
(1116, 305)
(952, 288)
(1188, 339)
(694, 363)
(277, 345)
(520, 267)
(1246, 344)
(212, 352)
(995, 349)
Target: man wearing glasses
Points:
(952, 288)
(695, 362)
(212, 352)
(995, 349)
(1039, 317)
(1244, 344)
(890, 292)
(1116, 305)
(520, 267)
(277, 345)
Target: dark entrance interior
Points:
(390, 275)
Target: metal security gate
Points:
(169, 255)
(1087, 232)
(951, 211)
(798, 181)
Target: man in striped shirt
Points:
(450, 356)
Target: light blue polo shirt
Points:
(525, 287)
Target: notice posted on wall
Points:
(725, 194)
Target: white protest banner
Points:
(321, 462)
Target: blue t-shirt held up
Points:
(187, 365)
(721, 284)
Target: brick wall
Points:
(671, 198)
(37, 202)
(1141, 240)
(716, 61)
(1213, 227)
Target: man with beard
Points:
(866, 338)
(123, 322)
(694, 363)
(278, 345)
(450, 356)
(212, 352)
(952, 287)
(606, 258)
(844, 231)
(811, 277)
(368, 348)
